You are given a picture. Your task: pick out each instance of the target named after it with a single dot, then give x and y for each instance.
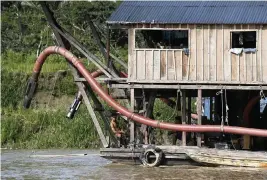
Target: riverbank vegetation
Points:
(45, 125)
(25, 33)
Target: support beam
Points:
(98, 40)
(211, 108)
(64, 38)
(63, 42)
(93, 115)
(199, 113)
(149, 110)
(108, 48)
(183, 110)
(189, 106)
(189, 111)
(84, 51)
(104, 50)
(132, 128)
(187, 86)
(97, 104)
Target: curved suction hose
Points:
(32, 86)
(137, 118)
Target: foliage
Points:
(16, 69)
(43, 125)
(25, 33)
(22, 62)
(47, 129)
(24, 27)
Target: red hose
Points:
(97, 73)
(169, 102)
(137, 118)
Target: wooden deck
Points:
(177, 155)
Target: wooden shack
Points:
(200, 48)
(195, 42)
(178, 50)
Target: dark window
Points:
(245, 39)
(161, 39)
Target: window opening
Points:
(161, 39)
(245, 39)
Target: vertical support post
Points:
(149, 113)
(189, 110)
(199, 113)
(211, 107)
(131, 122)
(189, 107)
(183, 108)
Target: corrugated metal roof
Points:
(191, 12)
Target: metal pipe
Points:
(135, 117)
(97, 73)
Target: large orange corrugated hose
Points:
(135, 117)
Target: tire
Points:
(146, 159)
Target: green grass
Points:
(47, 129)
(44, 125)
(18, 62)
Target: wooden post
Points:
(131, 122)
(211, 107)
(199, 113)
(183, 108)
(189, 112)
(98, 40)
(149, 111)
(65, 43)
(93, 115)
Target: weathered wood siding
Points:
(209, 61)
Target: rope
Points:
(226, 108)
(222, 117)
(226, 117)
(144, 100)
(262, 95)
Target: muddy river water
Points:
(73, 164)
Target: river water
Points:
(73, 164)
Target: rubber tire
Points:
(158, 153)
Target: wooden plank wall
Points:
(159, 64)
(263, 53)
(210, 60)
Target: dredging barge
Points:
(185, 54)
